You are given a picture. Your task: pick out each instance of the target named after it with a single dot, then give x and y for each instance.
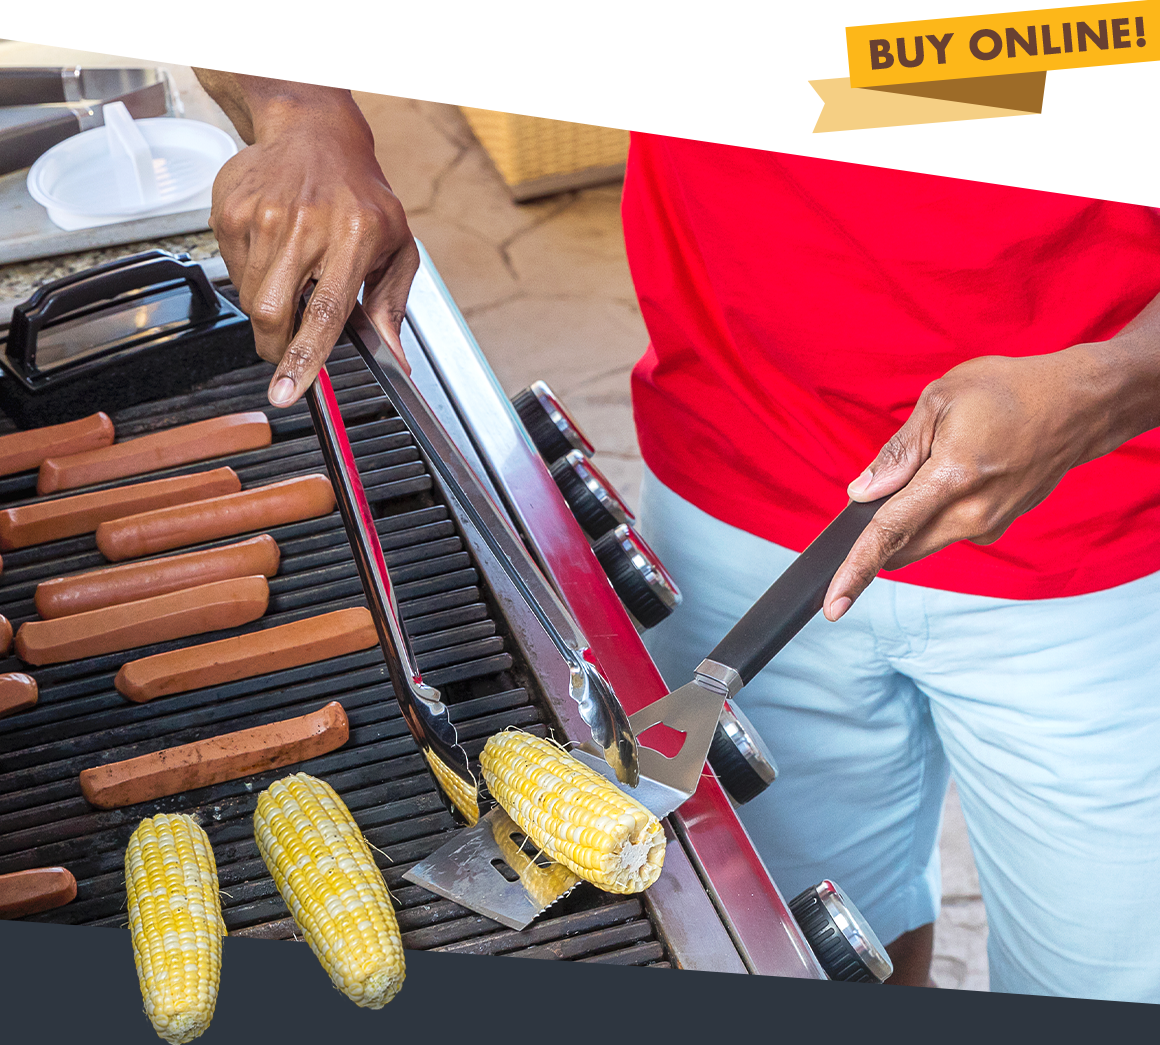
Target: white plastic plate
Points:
(77, 182)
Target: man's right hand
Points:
(307, 202)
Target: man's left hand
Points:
(985, 443)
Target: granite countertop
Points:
(18, 281)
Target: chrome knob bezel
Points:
(648, 564)
(559, 416)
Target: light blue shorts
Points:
(1047, 712)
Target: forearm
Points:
(259, 107)
(1125, 371)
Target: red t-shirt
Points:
(797, 307)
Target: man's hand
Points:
(990, 440)
(307, 201)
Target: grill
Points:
(714, 907)
(461, 640)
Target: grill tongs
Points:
(421, 705)
(425, 713)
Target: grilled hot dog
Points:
(243, 656)
(38, 889)
(21, 451)
(64, 596)
(43, 521)
(182, 525)
(17, 692)
(181, 445)
(214, 761)
(193, 611)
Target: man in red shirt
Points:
(961, 346)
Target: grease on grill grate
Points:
(81, 720)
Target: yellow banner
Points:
(1003, 44)
(851, 108)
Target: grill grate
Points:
(458, 636)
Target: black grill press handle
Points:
(151, 270)
(795, 596)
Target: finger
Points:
(264, 255)
(954, 523)
(893, 527)
(230, 224)
(899, 459)
(980, 514)
(385, 297)
(322, 321)
(281, 272)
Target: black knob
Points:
(840, 937)
(551, 427)
(592, 498)
(637, 575)
(740, 758)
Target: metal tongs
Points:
(466, 868)
(420, 704)
(423, 709)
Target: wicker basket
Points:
(537, 157)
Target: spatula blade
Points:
(467, 871)
(694, 710)
(658, 798)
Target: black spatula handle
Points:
(795, 596)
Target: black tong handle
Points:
(795, 596)
(31, 85)
(22, 143)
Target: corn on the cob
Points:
(545, 885)
(464, 797)
(324, 870)
(176, 921)
(576, 816)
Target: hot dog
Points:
(35, 890)
(17, 692)
(242, 657)
(5, 636)
(21, 451)
(67, 516)
(208, 607)
(181, 445)
(261, 508)
(214, 761)
(64, 596)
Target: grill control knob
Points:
(840, 937)
(592, 498)
(551, 427)
(740, 758)
(637, 575)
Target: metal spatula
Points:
(472, 870)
